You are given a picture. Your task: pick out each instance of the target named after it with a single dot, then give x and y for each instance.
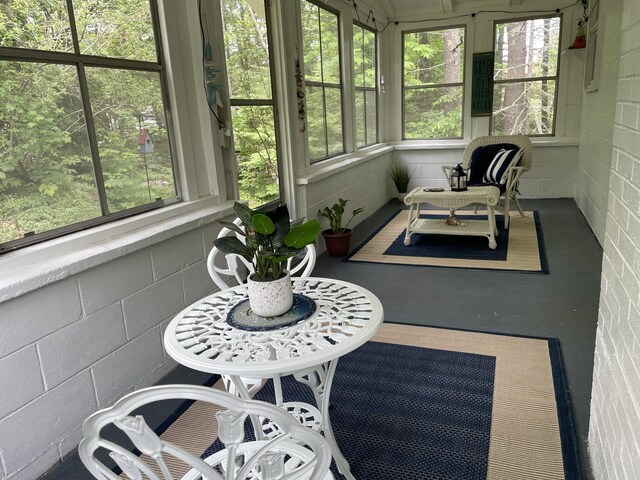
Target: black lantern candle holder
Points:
(458, 180)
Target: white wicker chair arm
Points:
(513, 177)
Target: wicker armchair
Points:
(509, 191)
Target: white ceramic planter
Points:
(270, 298)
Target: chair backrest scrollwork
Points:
(299, 453)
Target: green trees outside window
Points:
(246, 34)
(365, 74)
(322, 60)
(83, 131)
(433, 83)
(526, 76)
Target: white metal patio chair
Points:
(297, 453)
(508, 190)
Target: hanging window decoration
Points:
(300, 94)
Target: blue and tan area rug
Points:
(435, 404)
(520, 248)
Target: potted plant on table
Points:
(270, 239)
(338, 237)
(401, 176)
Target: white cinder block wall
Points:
(78, 344)
(552, 174)
(365, 185)
(614, 432)
(596, 125)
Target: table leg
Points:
(242, 392)
(320, 380)
(407, 235)
(493, 230)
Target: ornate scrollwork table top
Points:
(346, 317)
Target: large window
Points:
(323, 80)
(83, 130)
(433, 83)
(246, 35)
(526, 76)
(364, 75)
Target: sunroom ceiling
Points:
(398, 9)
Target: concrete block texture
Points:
(177, 253)
(20, 379)
(30, 317)
(105, 284)
(128, 367)
(614, 438)
(148, 307)
(81, 344)
(39, 466)
(32, 430)
(196, 282)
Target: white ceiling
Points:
(406, 9)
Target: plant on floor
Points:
(271, 239)
(400, 174)
(334, 215)
(338, 237)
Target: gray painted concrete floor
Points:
(562, 304)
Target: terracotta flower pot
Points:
(270, 298)
(337, 243)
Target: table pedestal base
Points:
(320, 380)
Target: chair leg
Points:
(506, 210)
(515, 199)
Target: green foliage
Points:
(45, 159)
(335, 213)
(525, 50)
(321, 50)
(247, 57)
(433, 64)
(270, 239)
(400, 174)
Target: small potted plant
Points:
(401, 176)
(338, 237)
(270, 239)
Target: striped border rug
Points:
(520, 248)
(530, 433)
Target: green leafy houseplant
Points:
(270, 239)
(400, 175)
(334, 215)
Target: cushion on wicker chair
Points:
(481, 157)
(500, 164)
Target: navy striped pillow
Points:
(500, 164)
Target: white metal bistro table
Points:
(346, 317)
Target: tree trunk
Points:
(515, 101)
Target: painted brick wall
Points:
(614, 433)
(596, 125)
(78, 344)
(552, 173)
(365, 185)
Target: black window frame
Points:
(80, 60)
(365, 89)
(324, 85)
(440, 85)
(555, 78)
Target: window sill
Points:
(33, 267)
(342, 162)
(461, 144)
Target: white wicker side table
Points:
(487, 196)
